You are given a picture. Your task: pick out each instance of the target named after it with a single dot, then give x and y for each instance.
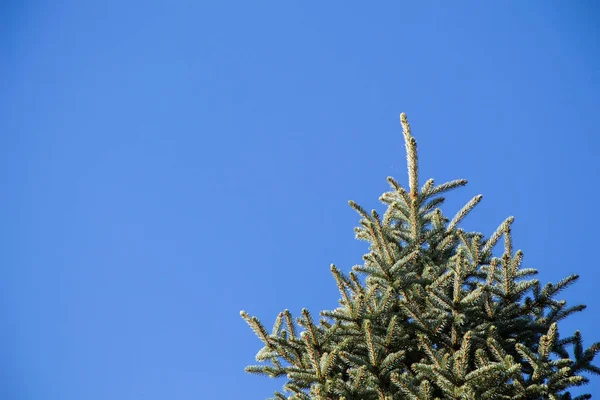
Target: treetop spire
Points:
(411, 157)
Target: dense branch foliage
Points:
(437, 316)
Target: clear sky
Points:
(166, 164)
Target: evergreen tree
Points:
(437, 315)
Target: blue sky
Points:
(166, 164)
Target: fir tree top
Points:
(437, 317)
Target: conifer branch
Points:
(463, 212)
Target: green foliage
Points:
(437, 317)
